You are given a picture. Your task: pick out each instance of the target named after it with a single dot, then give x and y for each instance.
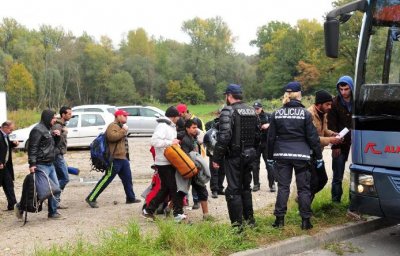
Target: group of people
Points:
(46, 149)
(292, 137)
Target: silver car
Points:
(142, 119)
(83, 128)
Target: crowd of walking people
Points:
(291, 138)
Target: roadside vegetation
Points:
(209, 237)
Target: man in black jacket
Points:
(236, 141)
(41, 154)
(262, 149)
(6, 165)
(217, 175)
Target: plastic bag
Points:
(45, 187)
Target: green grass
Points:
(24, 117)
(206, 238)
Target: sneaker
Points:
(272, 188)
(195, 206)
(214, 194)
(62, 206)
(55, 216)
(134, 201)
(221, 192)
(256, 188)
(17, 211)
(148, 216)
(180, 217)
(92, 204)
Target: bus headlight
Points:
(362, 184)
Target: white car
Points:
(83, 128)
(142, 119)
(108, 110)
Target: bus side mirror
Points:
(331, 29)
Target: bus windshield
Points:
(379, 96)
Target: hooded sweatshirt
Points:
(162, 137)
(341, 113)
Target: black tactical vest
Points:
(244, 127)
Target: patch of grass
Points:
(209, 237)
(24, 117)
(341, 248)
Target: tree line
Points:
(50, 67)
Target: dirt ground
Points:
(83, 222)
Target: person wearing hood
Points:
(41, 154)
(338, 118)
(164, 136)
(291, 137)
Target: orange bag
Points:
(181, 161)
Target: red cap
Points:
(182, 108)
(121, 112)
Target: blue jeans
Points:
(61, 171)
(51, 172)
(338, 165)
(123, 169)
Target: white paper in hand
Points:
(342, 133)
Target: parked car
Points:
(83, 128)
(100, 108)
(142, 119)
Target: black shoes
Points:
(195, 206)
(134, 201)
(214, 194)
(306, 224)
(221, 192)
(279, 222)
(256, 188)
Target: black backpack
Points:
(29, 200)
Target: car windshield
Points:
(111, 110)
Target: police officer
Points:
(291, 135)
(262, 149)
(235, 147)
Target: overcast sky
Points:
(115, 18)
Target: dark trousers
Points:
(338, 165)
(238, 192)
(123, 169)
(319, 178)
(262, 151)
(7, 183)
(284, 170)
(217, 178)
(168, 188)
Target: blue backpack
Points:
(100, 153)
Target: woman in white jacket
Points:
(165, 135)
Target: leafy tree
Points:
(308, 75)
(210, 48)
(186, 91)
(20, 87)
(122, 89)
